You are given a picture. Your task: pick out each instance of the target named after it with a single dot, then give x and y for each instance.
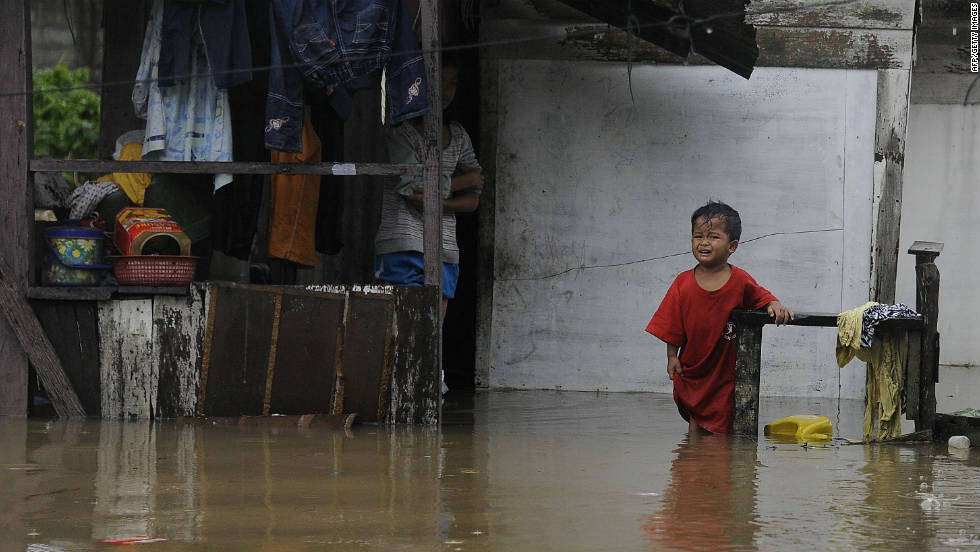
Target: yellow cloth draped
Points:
(134, 184)
(886, 372)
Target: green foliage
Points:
(66, 122)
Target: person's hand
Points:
(674, 367)
(417, 199)
(779, 313)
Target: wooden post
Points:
(16, 193)
(892, 116)
(748, 360)
(432, 196)
(432, 211)
(927, 304)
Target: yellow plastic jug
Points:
(806, 427)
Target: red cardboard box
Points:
(146, 230)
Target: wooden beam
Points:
(823, 319)
(927, 302)
(35, 343)
(432, 137)
(213, 167)
(892, 118)
(748, 361)
(16, 192)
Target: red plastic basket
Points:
(154, 270)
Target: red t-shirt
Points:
(696, 320)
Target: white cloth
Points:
(86, 198)
(189, 121)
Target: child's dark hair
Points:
(722, 212)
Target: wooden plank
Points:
(432, 140)
(31, 339)
(129, 375)
(913, 367)
(99, 293)
(178, 345)
(305, 373)
(748, 361)
(123, 25)
(927, 302)
(873, 14)
(273, 348)
(761, 318)
(16, 191)
(814, 47)
(214, 167)
(73, 327)
(365, 343)
(239, 350)
(415, 389)
(892, 118)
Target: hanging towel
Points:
(876, 314)
(294, 203)
(849, 327)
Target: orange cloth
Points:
(293, 204)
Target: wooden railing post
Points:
(927, 304)
(748, 360)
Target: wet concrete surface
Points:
(531, 470)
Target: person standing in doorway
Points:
(398, 243)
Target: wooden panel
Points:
(239, 351)
(366, 366)
(16, 144)
(829, 320)
(73, 329)
(129, 375)
(415, 389)
(304, 369)
(178, 344)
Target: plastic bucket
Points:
(73, 257)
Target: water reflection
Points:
(710, 501)
(508, 471)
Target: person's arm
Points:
(462, 203)
(471, 180)
(673, 363)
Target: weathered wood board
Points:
(178, 343)
(367, 356)
(73, 328)
(309, 332)
(237, 361)
(129, 375)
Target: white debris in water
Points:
(959, 442)
(931, 503)
(923, 486)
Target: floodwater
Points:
(541, 470)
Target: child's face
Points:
(710, 242)
(450, 78)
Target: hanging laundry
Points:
(293, 204)
(223, 28)
(885, 360)
(190, 120)
(338, 43)
(876, 313)
(129, 147)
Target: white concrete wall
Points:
(593, 202)
(941, 203)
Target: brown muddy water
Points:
(507, 471)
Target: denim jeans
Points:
(332, 42)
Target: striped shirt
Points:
(401, 222)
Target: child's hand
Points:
(416, 199)
(781, 314)
(674, 367)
